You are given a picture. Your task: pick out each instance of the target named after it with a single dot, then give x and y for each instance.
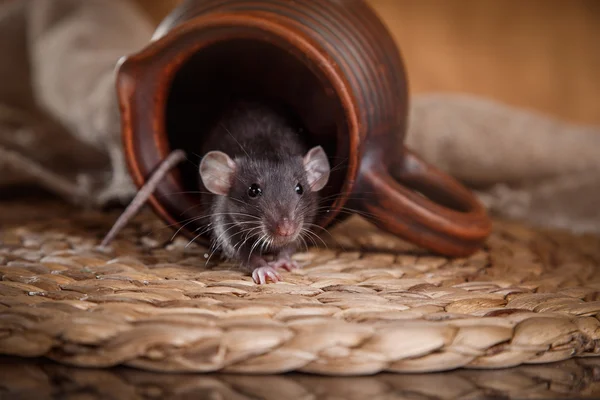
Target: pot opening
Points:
(220, 73)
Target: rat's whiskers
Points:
(303, 241)
(262, 237)
(211, 215)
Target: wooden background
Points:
(540, 54)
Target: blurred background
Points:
(539, 54)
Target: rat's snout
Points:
(285, 228)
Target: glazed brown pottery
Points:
(337, 67)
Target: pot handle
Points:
(449, 221)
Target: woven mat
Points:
(366, 303)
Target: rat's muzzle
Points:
(284, 231)
(286, 228)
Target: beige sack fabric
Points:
(523, 164)
(59, 122)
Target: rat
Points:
(259, 186)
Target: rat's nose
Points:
(285, 228)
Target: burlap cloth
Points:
(365, 303)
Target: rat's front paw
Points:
(261, 274)
(284, 263)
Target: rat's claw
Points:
(285, 264)
(261, 274)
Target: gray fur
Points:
(267, 151)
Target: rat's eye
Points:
(254, 190)
(299, 189)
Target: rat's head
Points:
(271, 199)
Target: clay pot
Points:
(336, 65)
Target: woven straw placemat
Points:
(367, 303)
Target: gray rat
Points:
(259, 184)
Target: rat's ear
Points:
(317, 168)
(216, 171)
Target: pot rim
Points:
(155, 65)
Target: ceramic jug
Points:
(336, 65)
